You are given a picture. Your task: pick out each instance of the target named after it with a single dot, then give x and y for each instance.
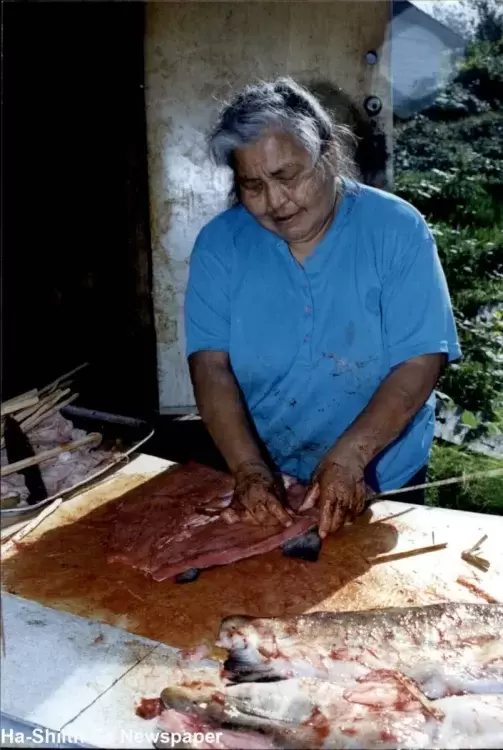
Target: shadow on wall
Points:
(370, 152)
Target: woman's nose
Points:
(276, 196)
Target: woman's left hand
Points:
(338, 487)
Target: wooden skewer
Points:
(437, 713)
(469, 556)
(21, 397)
(409, 553)
(18, 405)
(314, 492)
(45, 415)
(42, 411)
(478, 562)
(41, 404)
(478, 544)
(442, 482)
(48, 404)
(93, 437)
(31, 525)
(477, 591)
(51, 386)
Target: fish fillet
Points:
(173, 527)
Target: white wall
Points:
(196, 53)
(421, 63)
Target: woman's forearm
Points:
(394, 404)
(221, 408)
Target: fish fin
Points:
(238, 670)
(188, 576)
(306, 547)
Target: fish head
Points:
(254, 648)
(237, 632)
(191, 697)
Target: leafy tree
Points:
(472, 19)
(449, 164)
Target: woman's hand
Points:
(257, 492)
(338, 486)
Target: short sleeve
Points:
(207, 297)
(416, 305)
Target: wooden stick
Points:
(477, 591)
(313, 493)
(31, 525)
(21, 397)
(409, 553)
(10, 530)
(469, 556)
(33, 409)
(477, 562)
(437, 713)
(17, 466)
(48, 408)
(443, 482)
(123, 457)
(18, 405)
(478, 544)
(65, 376)
(45, 415)
(46, 405)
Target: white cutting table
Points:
(82, 679)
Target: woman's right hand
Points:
(257, 492)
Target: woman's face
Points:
(281, 187)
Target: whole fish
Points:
(446, 649)
(376, 712)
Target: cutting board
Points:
(62, 564)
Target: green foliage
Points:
(460, 196)
(449, 164)
(481, 496)
(482, 73)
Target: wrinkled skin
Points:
(258, 496)
(285, 191)
(338, 486)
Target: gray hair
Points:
(285, 105)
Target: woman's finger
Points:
(230, 516)
(327, 505)
(362, 500)
(341, 507)
(357, 502)
(276, 510)
(254, 507)
(311, 498)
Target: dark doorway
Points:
(76, 256)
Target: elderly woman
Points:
(318, 318)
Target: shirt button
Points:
(307, 309)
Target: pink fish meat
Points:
(173, 524)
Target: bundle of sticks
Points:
(32, 407)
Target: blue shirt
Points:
(310, 344)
